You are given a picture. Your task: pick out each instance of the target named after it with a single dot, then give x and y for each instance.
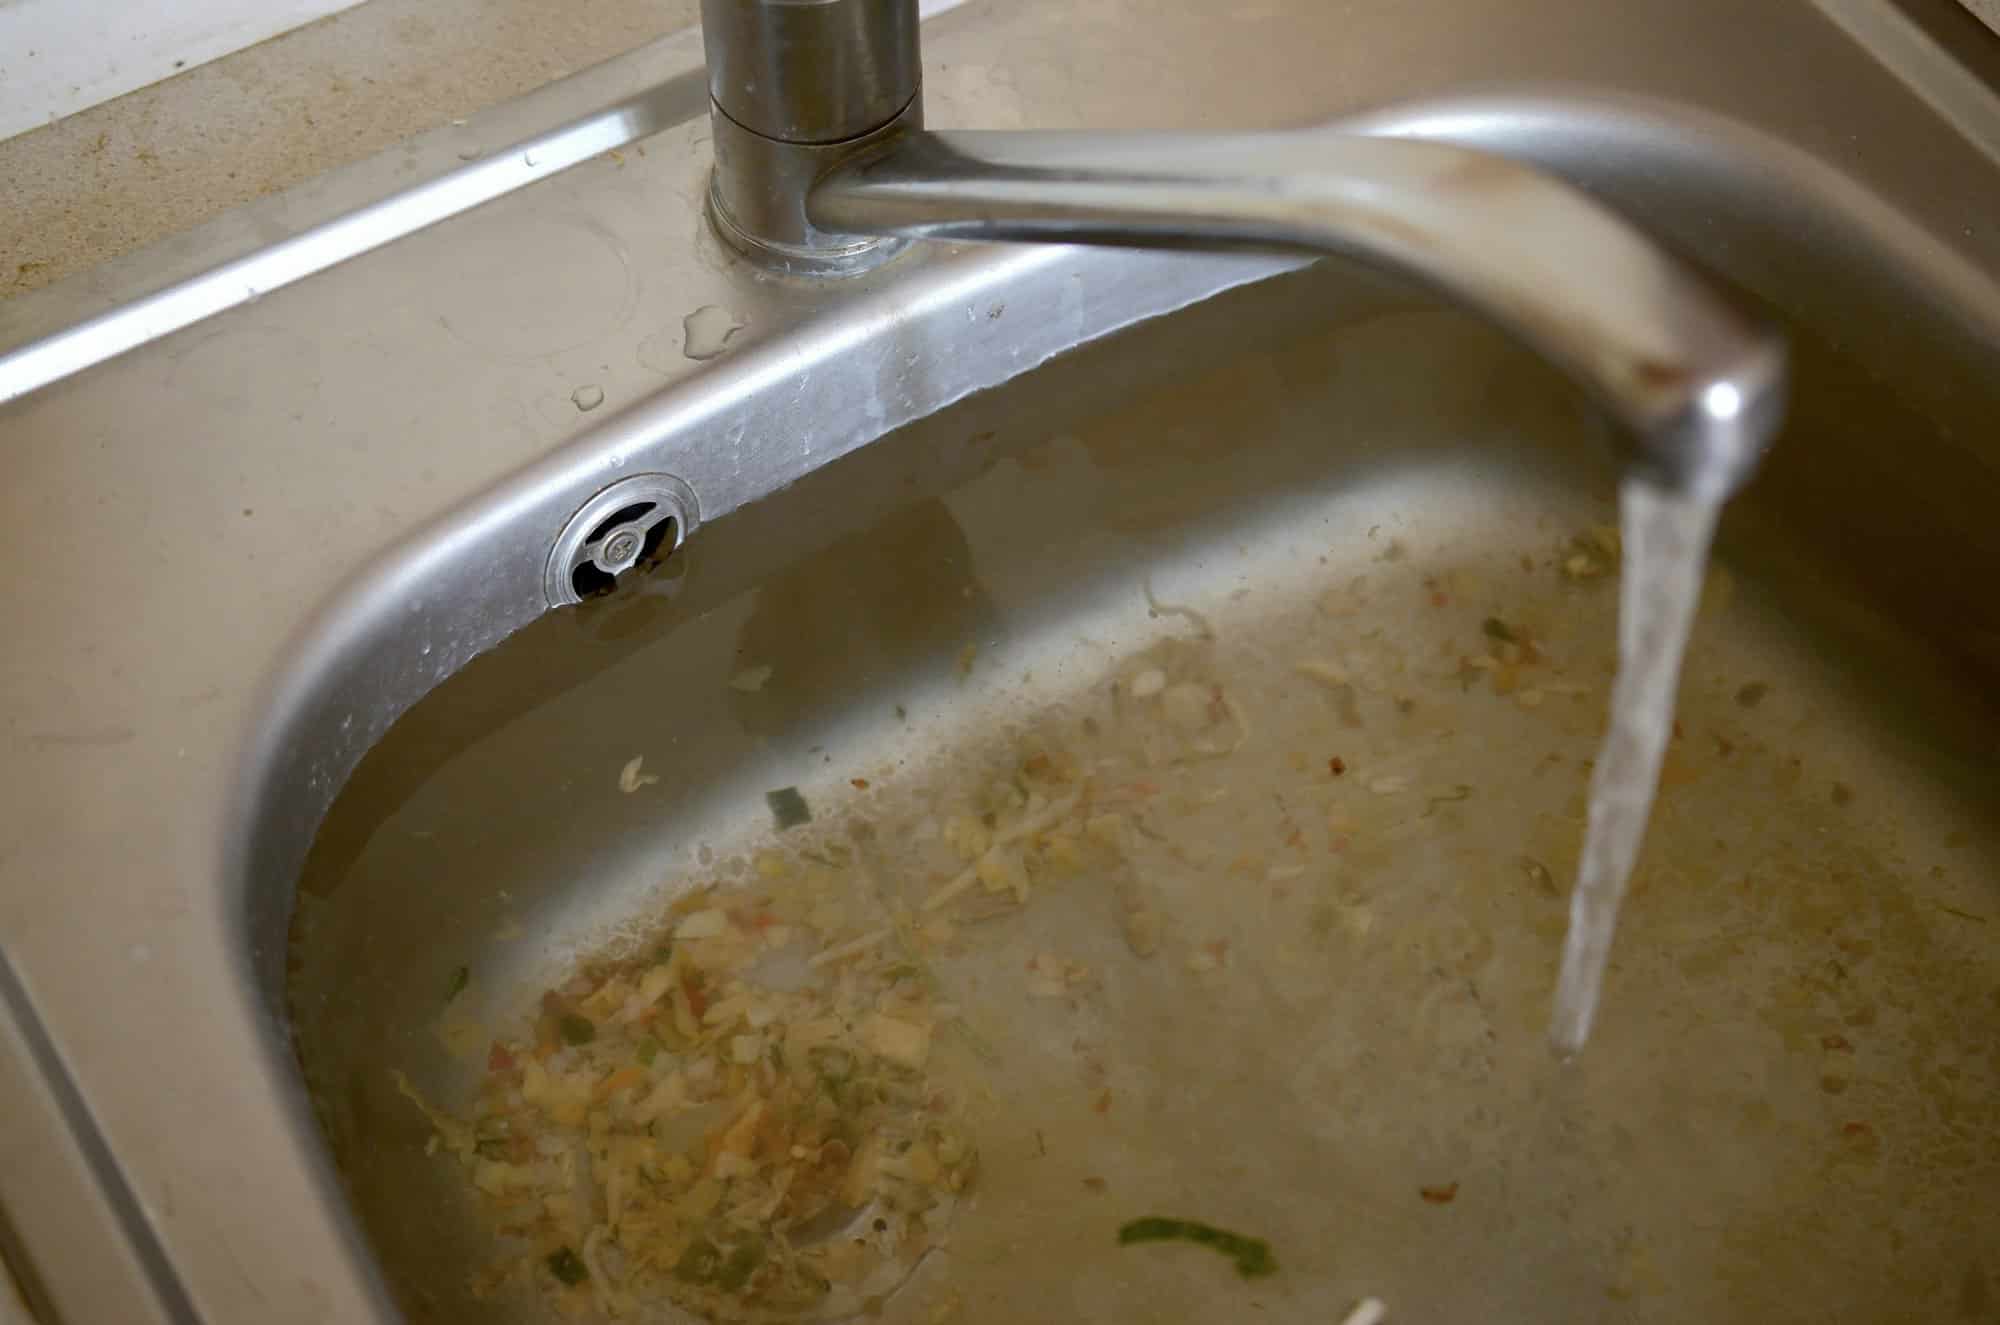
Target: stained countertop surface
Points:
(164, 159)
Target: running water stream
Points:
(1666, 537)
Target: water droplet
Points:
(708, 330)
(587, 398)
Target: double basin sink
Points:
(314, 781)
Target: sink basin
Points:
(311, 796)
(1337, 1037)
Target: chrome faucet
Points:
(823, 166)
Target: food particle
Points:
(1148, 683)
(712, 1141)
(705, 924)
(1143, 925)
(1252, 1255)
(751, 679)
(461, 976)
(905, 1043)
(1494, 628)
(1444, 1195)
(1331, 675)
(1751, 695)
(1033, 825)
(630, 779)
(567, 1267)
(1368, 1311)
(788, 807)
(1209, 957)
(1049, 976)
(854, 947)
(1390, 785)
(1336, 766)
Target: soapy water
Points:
(1666, 537)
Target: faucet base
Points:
(757, 192)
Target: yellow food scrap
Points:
(904, 1043)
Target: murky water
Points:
(1666, 537)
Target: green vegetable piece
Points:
(1252, 1255)
(1495, 628)
(461, 976)
(698, 1264)
(788, 807)
(736, 1271)
(576, 1030)
(649, 1049)
(567, 1266)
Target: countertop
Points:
(164, 159)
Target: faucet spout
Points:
(1697, 386)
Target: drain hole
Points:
(633, 525)
(590, 579)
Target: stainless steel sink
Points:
(293, 735)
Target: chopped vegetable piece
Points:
(576, 1030)
(631, 778)
(742, 1263)
(1252, 1255)
(706, 924)
(461, 976)
(788, 807)
(1495, 628)
(567, 1266)
(698, 1264)
(649, 1049)
(1368, 1311)
(1444, 1195)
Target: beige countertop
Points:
(165, 158)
